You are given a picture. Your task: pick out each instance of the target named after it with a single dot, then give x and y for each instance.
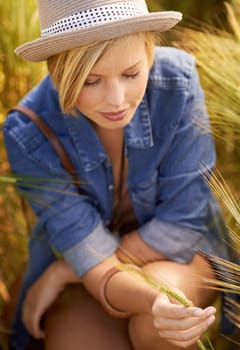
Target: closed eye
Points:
(131, 76)
(91, 83)
(96, 82)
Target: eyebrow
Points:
(125, 70)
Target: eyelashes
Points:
(132, 76)
(98, 81)
(91, 84)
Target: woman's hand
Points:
(43, 293)
(133, 249)
(180, 325)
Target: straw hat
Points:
(73, 23)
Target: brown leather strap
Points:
(103, 299)
(51, 136)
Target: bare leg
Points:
(76, 321)
(185, 277)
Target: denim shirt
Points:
(167, 143)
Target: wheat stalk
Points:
(167, 290)
(217, 53)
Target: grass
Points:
(217, 53)
(16, 17)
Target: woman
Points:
(132, 120)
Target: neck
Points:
(110, 137)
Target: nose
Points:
(115, 94)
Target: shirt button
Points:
(110, 187)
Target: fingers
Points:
(32, 324)
(182, 326)
(187, 337)
(185, 323)
(185, 344)
(185, 329)
(31, 319)
(164, 309)
(162, 306)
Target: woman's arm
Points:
(124, 291)
(70, 222)
(133, 249)
(44, 292)
(179, 222)
(59, 274)
(173, 321)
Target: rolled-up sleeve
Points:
(179, 223)
(91, 250)
(71, 223)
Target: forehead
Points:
(123, 54)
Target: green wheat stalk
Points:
(217, 53)
(167, 291)
(227, 272)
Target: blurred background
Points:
(210, 31)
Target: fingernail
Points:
(210, 311)
(210, 320)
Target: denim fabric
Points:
(166, 143)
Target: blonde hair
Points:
(70, 69)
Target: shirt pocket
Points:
(145, 195)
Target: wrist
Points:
(151, 295)
(62, 274)
(102, 295)
(127, 290)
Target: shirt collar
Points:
(138, 134)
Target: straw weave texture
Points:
(51, 11)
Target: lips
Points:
(115, 116)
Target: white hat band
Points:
(95, 16)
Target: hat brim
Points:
(42, 48)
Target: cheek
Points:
(85, 100)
